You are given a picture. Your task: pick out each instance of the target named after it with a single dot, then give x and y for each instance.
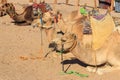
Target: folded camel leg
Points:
(102, 70)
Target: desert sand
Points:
(20, 57)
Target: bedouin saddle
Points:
(41, 8)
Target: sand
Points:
(20, 57)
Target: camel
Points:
(73, 41)
(27, 15)
(49, 24)
(53, 27)
(107, 54)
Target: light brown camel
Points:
(108, 53)
(48, 25)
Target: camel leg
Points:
(102, 70)
(46, 31)
(49, 34)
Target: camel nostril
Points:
(52, 45)
(63, 40)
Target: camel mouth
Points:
(52, 45)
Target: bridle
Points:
(72, 46)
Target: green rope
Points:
(83, 11)
(75, 73)
(61, 52)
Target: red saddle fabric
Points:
(41, 6)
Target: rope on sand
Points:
(75, 73)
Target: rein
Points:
(73, 45)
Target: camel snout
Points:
(52, 45)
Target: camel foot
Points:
(102, 70)
(95, 70)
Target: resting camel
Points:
(73, 40)
(27, 15)
(108, 53)
(48, 25)
(10, 10)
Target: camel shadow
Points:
(70, 62)
(74, 61)
(20, 23)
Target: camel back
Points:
(101, 30)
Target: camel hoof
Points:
(99, 72)
(91, 69)
(95, 70)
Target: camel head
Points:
(46, 19)
(6, 9)
(11, 12)
(66, 43)
(51, 15)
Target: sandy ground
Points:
(20, 52)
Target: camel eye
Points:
(63, 40)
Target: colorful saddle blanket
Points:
(41, 7)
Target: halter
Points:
(71, 48)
